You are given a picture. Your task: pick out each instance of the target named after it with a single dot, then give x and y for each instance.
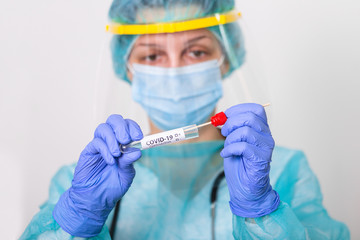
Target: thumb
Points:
(127, 159)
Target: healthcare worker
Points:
(175, 55)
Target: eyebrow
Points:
(186, 44)
(196, 39)
(149, 45)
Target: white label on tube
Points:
(163, 138)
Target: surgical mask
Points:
(176, 97)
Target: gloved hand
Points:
(102, 176)
(247, 155)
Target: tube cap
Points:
(218, 119)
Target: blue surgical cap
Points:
(131, 12)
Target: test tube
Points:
(163, 138)
(175, 135)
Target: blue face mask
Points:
(177, 97)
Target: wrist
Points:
(255, 208)
(75, 221)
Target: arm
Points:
(300, 215)
(299, 187)
(257, 210)
(280, 224)
(43, 225)
(102, 176)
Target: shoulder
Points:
(285, 160)
(64, 173)
(283, 154)
(293, 177)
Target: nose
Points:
(174, 60)
(174, 51)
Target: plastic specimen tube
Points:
(163, 138)
(175, 135)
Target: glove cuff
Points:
(75, 221)
(258, 208)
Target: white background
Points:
(48, 57)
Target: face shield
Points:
(170, 74)
(168, 65)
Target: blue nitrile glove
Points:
(102, 176)
(247, 155)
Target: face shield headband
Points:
(172, 27)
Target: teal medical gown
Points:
(170, 199)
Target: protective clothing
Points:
(163, 11)
(247, 155)
(145, 209)
(126, 11)
(169, 197)
(102, 176)
(168, 95)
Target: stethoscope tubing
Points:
(213, 198)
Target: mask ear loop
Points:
(130, 68)
(127, 56)
(221, 60)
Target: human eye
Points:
(197, 53)
(151, 58)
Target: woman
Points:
(175, 62)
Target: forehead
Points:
(176, 37)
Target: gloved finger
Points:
(134, 130)
(127, 159)
(249, 135)
(120, 128)
(244, 119)
(257, 109)
(105, 132)
(247, 151)
(97, 146)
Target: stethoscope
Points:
(213, 197)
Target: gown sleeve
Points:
(43, 225)
(300, 215)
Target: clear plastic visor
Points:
(169, 80)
